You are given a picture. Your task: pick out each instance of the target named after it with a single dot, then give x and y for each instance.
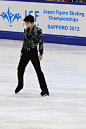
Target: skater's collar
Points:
(33, 27)
(28, 28)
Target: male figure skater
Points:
(32, 37)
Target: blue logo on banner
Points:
(36, 15)
(10, 17)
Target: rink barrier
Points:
(58, 39)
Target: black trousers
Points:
(26, 57)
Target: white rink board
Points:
(67, 23)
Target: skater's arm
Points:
(25, 39)
(40, 40)
(22, 50)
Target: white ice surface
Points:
(64, 67)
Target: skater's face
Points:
(29, 24)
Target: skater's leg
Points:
(36, 63)
(20, 70)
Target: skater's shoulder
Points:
(38, 28)
(25, 29)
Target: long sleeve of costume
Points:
(22, 50)
(40, 41)
(27, 36)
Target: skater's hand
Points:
(40, 57)
(21, 55)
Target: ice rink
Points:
(64, 67)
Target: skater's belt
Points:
(28, 49)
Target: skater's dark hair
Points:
(29, 18)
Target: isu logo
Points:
(10, 17)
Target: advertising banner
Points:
(55, 19)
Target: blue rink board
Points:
(60, 39)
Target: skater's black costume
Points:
(29, 49)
